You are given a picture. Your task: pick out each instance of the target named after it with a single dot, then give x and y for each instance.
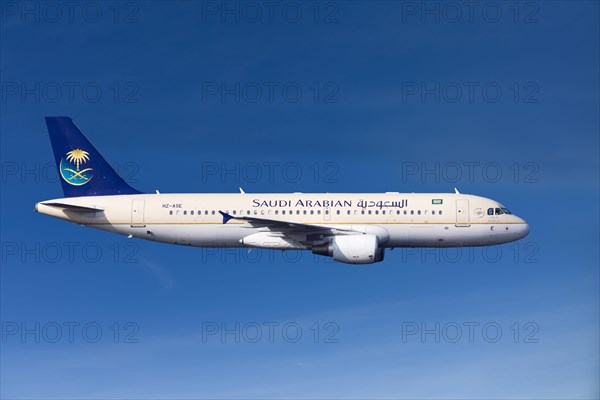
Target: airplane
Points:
(352, 228)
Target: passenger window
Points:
(398, 212)
(213, 212)
(432, 212)
(171, 212)
(440, 212)
(192, 212)
(362, 212)
(369, 212)
(419, 212)
(276, 212)
(304, 212)
(338, 212)
(412, 212)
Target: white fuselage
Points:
(398, 219)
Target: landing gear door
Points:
(137, 213)
(462, 212)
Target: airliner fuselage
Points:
(398, 220)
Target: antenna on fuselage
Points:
(242, 191)
(456, 191)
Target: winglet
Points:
(226, 217)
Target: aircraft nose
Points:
(523, 229)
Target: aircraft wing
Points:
(290, 228)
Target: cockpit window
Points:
(499, 211)
(506, 210)
(490, 211)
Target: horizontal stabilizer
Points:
(71, 207)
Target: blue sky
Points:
(358, 97)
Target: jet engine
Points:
(352, 249)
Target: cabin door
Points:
(137, 213)
(462, 212)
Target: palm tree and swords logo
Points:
(70, 167)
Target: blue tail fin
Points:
(83, 171)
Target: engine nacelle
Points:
(352, 249)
